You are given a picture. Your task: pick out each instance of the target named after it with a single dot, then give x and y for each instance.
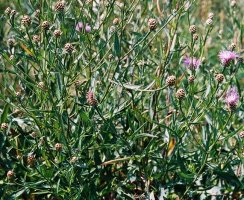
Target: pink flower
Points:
(192, 62)
(79, 26)
(232, 97)
(227, 56)
(88, 28)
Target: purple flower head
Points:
(88, 28)
(79, 26)
(227, 56)
(192, 62)
(232, 97)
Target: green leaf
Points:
(116, 45)
(5, 113)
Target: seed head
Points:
(219, 78)
(45, 25)
(116, 21)
(180, 94)
(26, 20)
(57, 33)
(171, 80)
(193, 29)
(195, 36)
(69, 48)
(10, 174)
(7, 11)
(11, 42)
(31, 160)
(58, 146)
(152, 24)
(4, 126)
(191, 79)
(59, 6)
(91, 99)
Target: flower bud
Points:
(36, 38)
(26, 20)
(4, 126)
(232, 46)
(57, 33)
(170, 81)
(90, 97)
(180, 94)
(10, 174)
(210, 15)
(41, 85)
(7, 11)
(13, 12)
(58, 147)
(31, 160)
(116, 21)
(191, 79)
(195, 36)
(152, 24)
(219, 78)
(233, 3)
(69, 48)
(209, 22)
(193, 29)
(73, 159)
(45, 25)
(37, 13)
(241, 134)
(59, 6)
(11, 42)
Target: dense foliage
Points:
(132, 99)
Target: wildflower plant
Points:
(121, 99)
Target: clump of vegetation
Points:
(121, 99)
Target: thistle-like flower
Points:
(227, 56)
(91, 99)
(79, 26)
(192, 62)
(88, 28)
(232, 98)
